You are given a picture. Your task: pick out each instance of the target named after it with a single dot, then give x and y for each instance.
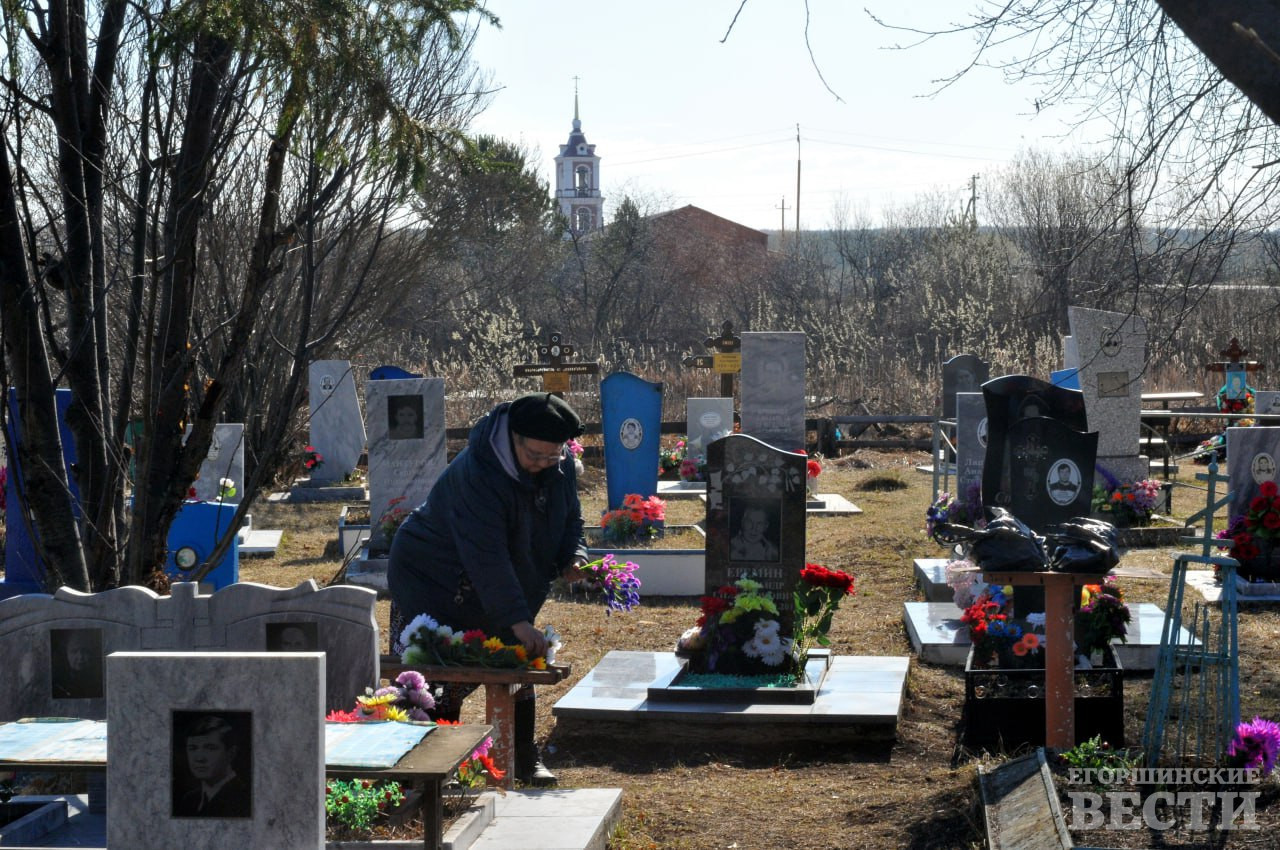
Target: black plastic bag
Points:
(1006, 545)
(1083, 545)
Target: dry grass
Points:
(707, 789)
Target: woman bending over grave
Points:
(500, 525)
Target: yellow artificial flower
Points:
(493, 644)
(520, 652)
(398, 714)
(538, 663)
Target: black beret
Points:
(543, 416)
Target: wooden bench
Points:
(500, 686)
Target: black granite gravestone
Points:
(1050, 479)
(755, 518)
(964, 373)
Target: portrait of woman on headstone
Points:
(1263, 467)
(755, 529)
(75, 657)
(212, 764)
(404, 417)
(292, 637)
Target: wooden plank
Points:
(391, 666)
(1020, 805)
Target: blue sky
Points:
(680, 118)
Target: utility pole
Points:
(972, 212)
(783, 207)
(797, 181)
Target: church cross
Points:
(554, 368)
(726, 359)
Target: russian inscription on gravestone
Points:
(631, 421)
(406, 444)
(773, 374)
(971, 441)
(337, 426)
(1252, 457)
(708, 419)
(755, 518)
(964, 373)
(225, 459)
(1050, 475)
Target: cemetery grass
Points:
(704, 787)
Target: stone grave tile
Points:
(337, 425)
(631, 414)
(1267, 401)
(1252, 457)
(406, 431)
(964, 373)
(682, 489)
(931, 578)
(1112, 358)
(773, 376)
(159, 701)
(936, 633)
(833, 504)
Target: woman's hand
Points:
(533, 640)
(574, 572)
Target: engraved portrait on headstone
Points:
(292, 637)
(75, 661)
(755, 527)
(212, 764)
(326, 384)
(404, 417)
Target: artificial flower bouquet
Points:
(816, 598)
(428, 642)
(1126, 504)
(947, 510)
(638, 519)
(693, 468)
(670, 458)
(391, 520)
(1103, 616)
(738, 633)
(1253, 536)
(311, 458)
(616, 580)
(1256, 745)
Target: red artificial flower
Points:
(491, 768)
(813, 469)
(1259, 504)
(1271, 520)
(337, 716)
(1269, 489)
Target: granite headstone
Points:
(1049, 478)
(39, 633)
(773, 374)
(1112, 349)
(225, 459)
(755, 518)
(631, 422)
(971, 441)
(215, 750)
(964, 373)
(337, 427)
(1252, 456)
(709, 419)
(405, 424)
(1267, 401)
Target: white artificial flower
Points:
(767, 627)
(422, 621)
(751, 649)
(1036, 620)
(226, 483)
(414, 654)
(444, 633)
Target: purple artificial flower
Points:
(411, 680)
(1256, 744)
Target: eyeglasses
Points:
(542, 458)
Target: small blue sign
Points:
(631, 414)
(1068, 379)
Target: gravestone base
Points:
(931, 578)
(370, 572)
(25, 820)
(861, 695)
(682, 489)
(802, 693)
(305, 490)
(938, 637)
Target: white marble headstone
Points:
(245, 617)
(708, 419)
(337, 426)
(1112, 351)
(267, 710)
(773, 375)
(1267, 401)
(406, 431)
(1252, 457)
(224, 460)
(1070, 356)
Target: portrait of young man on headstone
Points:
(1064, 482)
(755, 530)
(75, 661)
(212, 764)
(404, 417)
(293, 637)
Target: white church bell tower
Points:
(578, 181)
